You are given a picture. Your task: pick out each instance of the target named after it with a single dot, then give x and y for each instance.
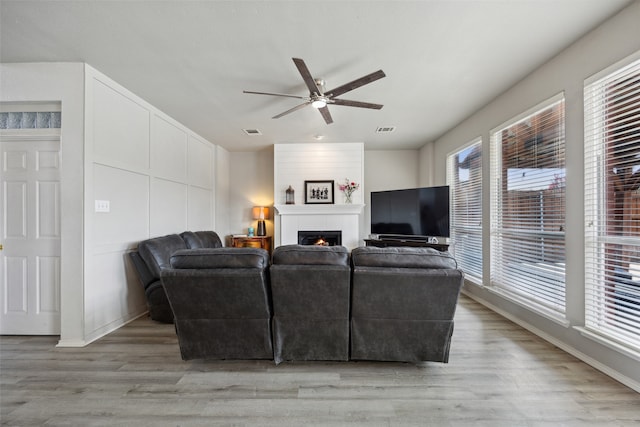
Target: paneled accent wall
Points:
(296, 163)
(150, 176)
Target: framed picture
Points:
(318, 192)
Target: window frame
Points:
(552, 307)
(471, 275)
(604, 320)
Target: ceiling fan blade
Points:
(306, 76)
(326, 115)
(276, 94)
(349, 103)
(296, 108)
(355, 84)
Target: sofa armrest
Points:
(144, 275)
(157, 252)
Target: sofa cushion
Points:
(402, 257)
(311, 255)
(157, 252)
(201, 239)
(220, 258)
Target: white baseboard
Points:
(101, 332)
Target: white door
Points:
(30, 235)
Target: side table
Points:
(263, 242)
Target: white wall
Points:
(388, 170)
(252, 174)
(427, 175)
(609, 43)
(221, 208)
(158, 177)
(114, 147)
(250, 184)
(296, 163)
(61, 83)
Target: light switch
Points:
(102, 206)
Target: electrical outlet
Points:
(102, 206)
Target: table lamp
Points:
(261, 213)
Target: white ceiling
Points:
(193, 59)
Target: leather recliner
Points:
(154, 254)
(403, 303)
(310, 288)
(220, 298)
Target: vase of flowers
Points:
(347, 188)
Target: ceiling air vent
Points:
(252, 131)
(385, 129)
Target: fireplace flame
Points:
(321, 242)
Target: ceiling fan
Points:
(319, 97)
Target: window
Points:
(528, 209)
(612, 206)
(464, 176)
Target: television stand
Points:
(384, 243)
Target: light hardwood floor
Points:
(498, 375)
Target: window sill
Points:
(472, 280)
(608, 342)
(541, 310)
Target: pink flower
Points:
(348, 187)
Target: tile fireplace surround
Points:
(345, 218)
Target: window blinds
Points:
(612, 206)
(464, 177)
(528, 208)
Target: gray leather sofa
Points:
(220, 298)
(311, 288)
(154, 254)
(403, 303)
(305, 303)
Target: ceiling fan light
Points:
(319, 103)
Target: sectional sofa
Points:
(303, 302)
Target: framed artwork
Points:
(318, 192)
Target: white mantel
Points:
(346, 209)
(345, 217)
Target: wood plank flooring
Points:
(498, 375)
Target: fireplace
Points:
(322, 238)
(318, 219)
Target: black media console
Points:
(383, 243)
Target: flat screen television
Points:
(411, 213)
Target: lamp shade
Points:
(260, 212)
